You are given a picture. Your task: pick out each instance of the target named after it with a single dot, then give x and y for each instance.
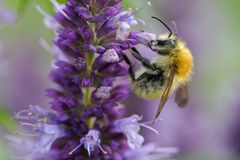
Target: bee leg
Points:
(131, 69)
(162, 52)
(149, 45)
(145, 62)
(142, 76)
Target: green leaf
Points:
(6, 120)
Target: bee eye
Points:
(165, 42)
(172, 42)
(161, 42)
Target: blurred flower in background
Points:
(7, 16)
(234, 133)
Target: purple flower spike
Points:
(124, 20)
(103, 92)
(44, 129)
(131, 127)
(143, 37)
(59, 8)
(91, 38)
(90, 141)
(36, 113)
(110, 56)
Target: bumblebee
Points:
(170, 70)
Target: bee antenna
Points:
(164, 25)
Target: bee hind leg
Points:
(131, 69)
(145, 62)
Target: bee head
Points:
(165, 43)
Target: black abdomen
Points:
(149, 84)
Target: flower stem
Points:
(89, 62)
(90, 122)
(87, 98)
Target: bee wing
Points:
(181, 97)
(166, 92)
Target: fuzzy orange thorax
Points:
(184, 62)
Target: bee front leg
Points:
(131, 69)
(145, 62)
(150, 46)
(159, 51)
